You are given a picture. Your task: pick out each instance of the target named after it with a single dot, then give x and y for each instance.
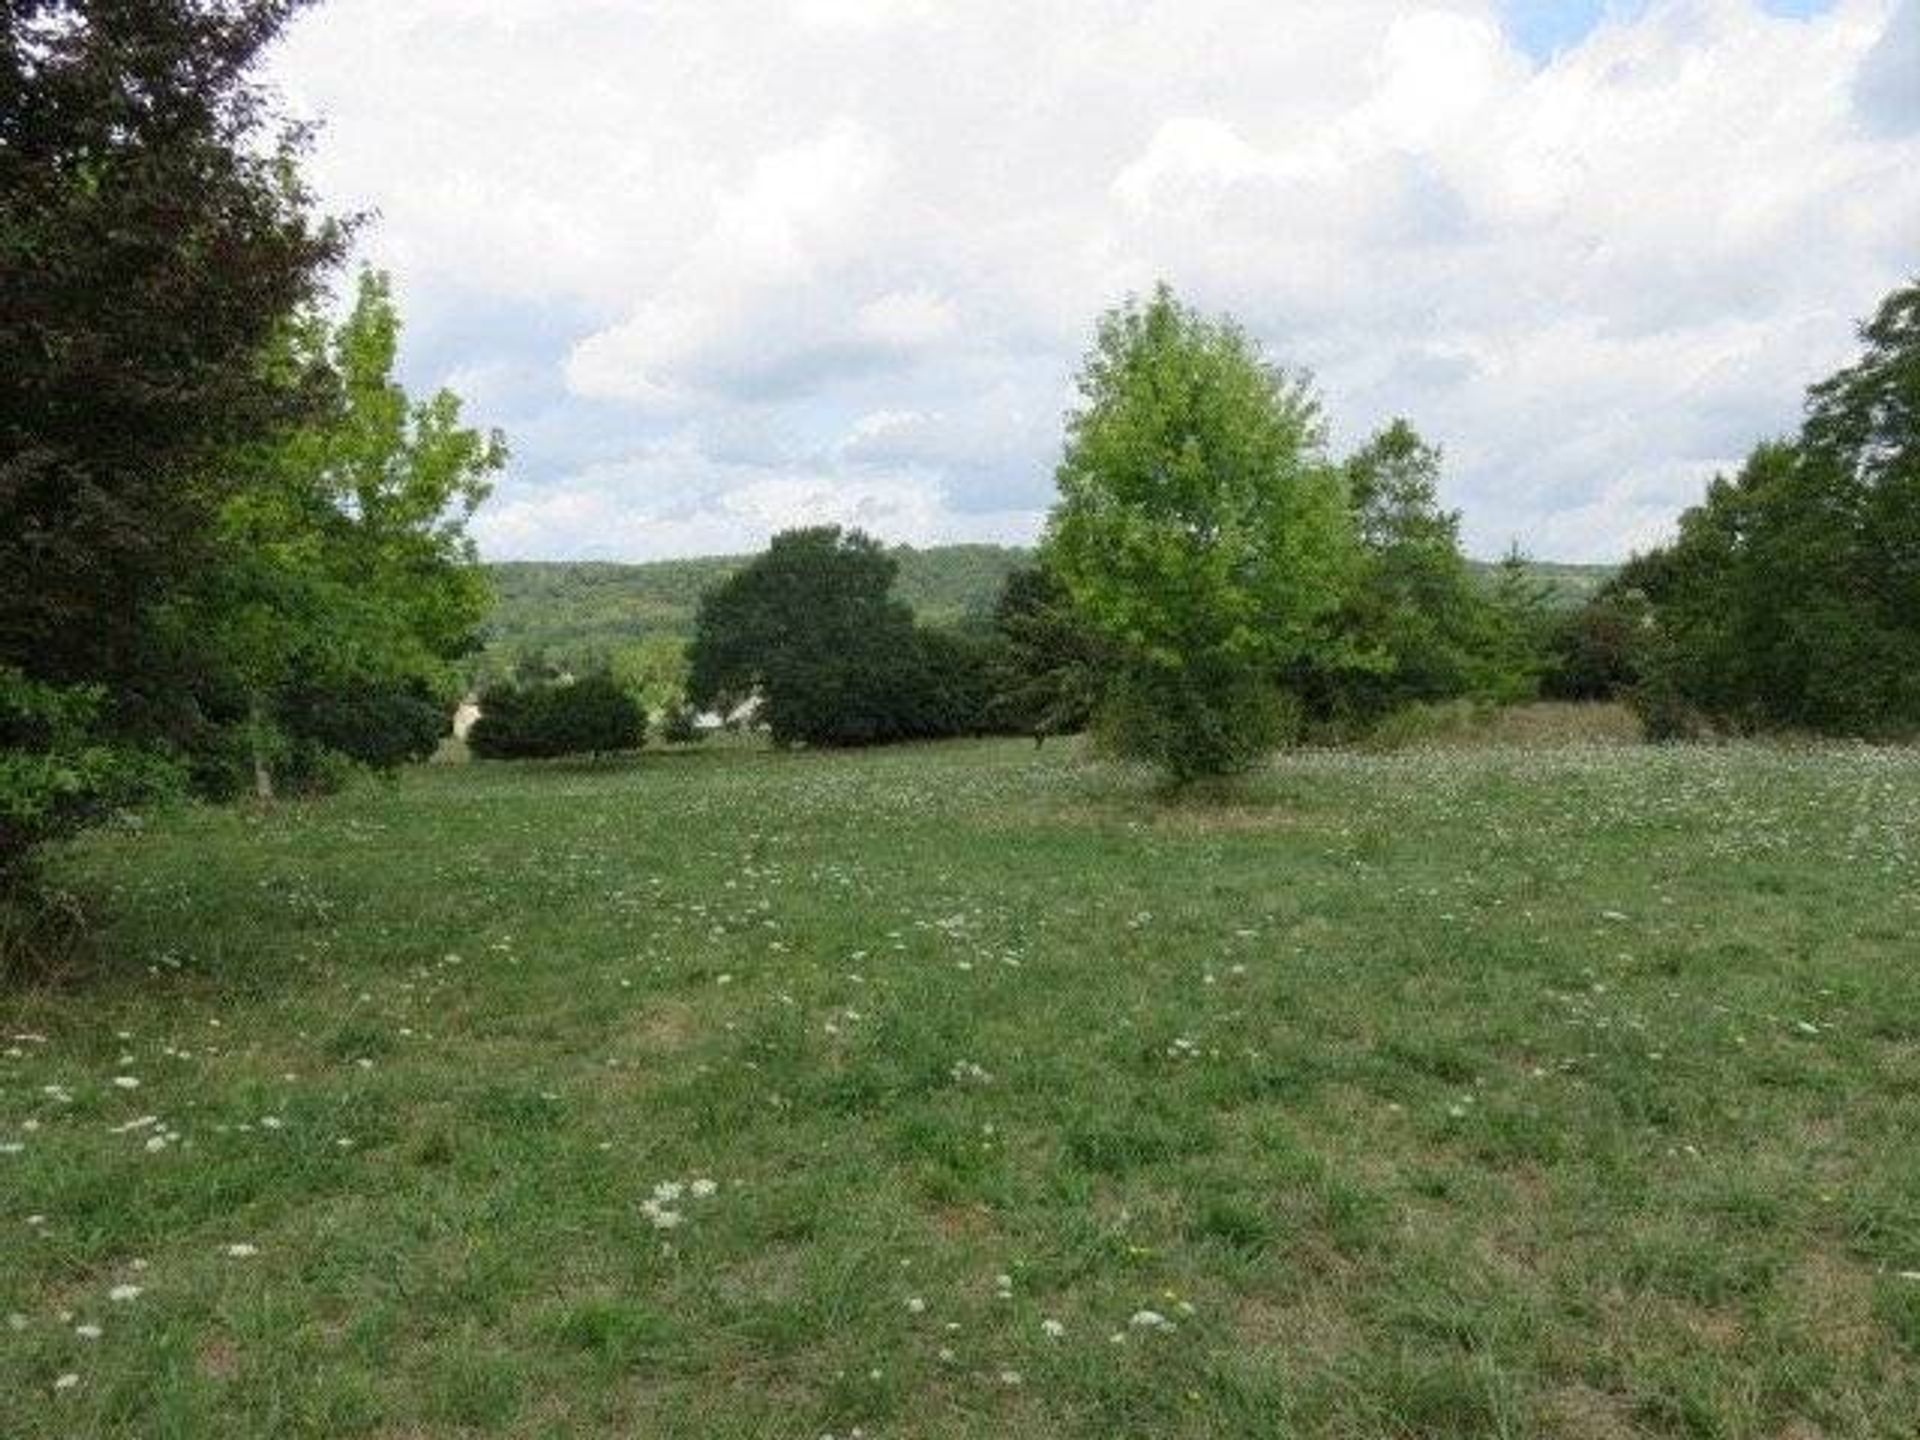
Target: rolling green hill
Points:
(575, 610)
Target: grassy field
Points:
(969, 1091)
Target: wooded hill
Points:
(575, 609)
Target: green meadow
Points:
(974, 1090)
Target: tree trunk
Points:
(262, 772)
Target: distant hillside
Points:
(574, 610)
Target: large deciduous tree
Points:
(1201, 532)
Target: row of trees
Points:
(1211, 583)
(1790, 599)
(233, 551)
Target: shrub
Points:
(379, 725)
(678, 726)
(56, 774)
(589, 716)
(1206, 725)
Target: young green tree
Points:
(345, 567)
(1200, 532)
(1518, 632)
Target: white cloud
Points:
(838, 259)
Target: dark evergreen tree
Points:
(1046, 670)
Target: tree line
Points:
(234, 553)
(1212, 584)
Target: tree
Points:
(1418, 624)
(1791, 596)
(1518, 629)
(154, 237)
(654, 672)
(344, 566)
(1200, 533)
(1046, 672)
(154, 234)
(811, 629)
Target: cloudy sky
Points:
(723, 266)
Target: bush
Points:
(56, 773)
(589, 716)
(1594, 652)
(379, 725)
(1212, 726)
(678, 725)
(1660, 699)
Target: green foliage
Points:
(812, 631)
(1423, 627)
(949, 686)
(1200, 532)
(57, 772)
(1047, 666)
(653, 671)
(1791, 598)
(344, 566)
(593, 715)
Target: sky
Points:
(721, 267)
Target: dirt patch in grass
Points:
(667, 1027)
(1580, 1412)
(219, 1359)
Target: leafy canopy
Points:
(154, 235)
(1200, 532)
(344, 564)
(1791, 598)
